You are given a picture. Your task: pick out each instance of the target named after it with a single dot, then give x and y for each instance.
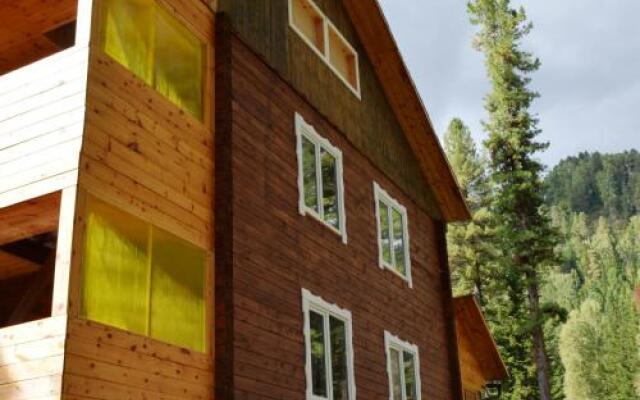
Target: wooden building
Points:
(233, 199)
(480, 363)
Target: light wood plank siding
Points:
(31, 360)
(42, 109)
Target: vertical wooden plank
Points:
(64, 251)
(84, 22)
(75, 274)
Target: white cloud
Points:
(589, 81)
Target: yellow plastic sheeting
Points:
(129, 35)
(178, 64)
(177, 287)
(115, 269)
(142, 279)
(156, 47)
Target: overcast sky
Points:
(589, 80)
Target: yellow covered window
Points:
(142, 279)
(156, 47)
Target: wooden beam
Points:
(29, 218)
(12, 266)
(34, 292)
(64, 251)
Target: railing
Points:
(41, 121)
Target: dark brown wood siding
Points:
(369, 124)
(272, 252)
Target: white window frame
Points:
(393, 342)
(324, 54)
(306, 130)
(381, 195)
(314, 303)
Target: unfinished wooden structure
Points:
(480, 363)
(197, 195)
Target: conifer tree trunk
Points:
(539, 350)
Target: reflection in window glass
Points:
(318, 357)
(396, 383)
(329, 188)
(392, 234)
(320, 178)
(409, 376)
(339, 359)
(309, 174)
(178, 64)
(398, 242)
(384, 231)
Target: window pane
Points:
(398, 242)
(116, 270)
(177, 291)
(396, 388)
(410, 376)
(329, 188)
(318, 360)
(339, 359)
(179, 60)
(384, 231)
(309, 174)
(128, 35)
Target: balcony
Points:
(42, 96)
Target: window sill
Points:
(386, 266)
(308, 212)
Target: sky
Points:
(589, 81)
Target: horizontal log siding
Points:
(42, 109)
(274, 252)
(31, 359)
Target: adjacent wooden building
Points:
(481, 366)
(237, 200)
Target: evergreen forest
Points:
(553, 256)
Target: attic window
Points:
(324, 38)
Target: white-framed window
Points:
(328, 350)
(403, 368)
(320, 184)
(393, 234)
(317, 31)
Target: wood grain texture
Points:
(274, 252)
(41, 126)
(480, 361)
(31, 360)
(23, 29)
(369, 124)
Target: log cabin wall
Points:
(369, 124)
(270, 251)
(31, 359)
(154, 161)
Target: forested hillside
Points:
(595, 204)
(597, 184)
(591, 318)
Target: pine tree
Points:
(525, 237)
(469, 243)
